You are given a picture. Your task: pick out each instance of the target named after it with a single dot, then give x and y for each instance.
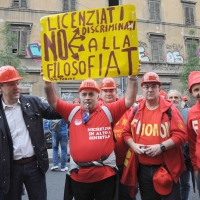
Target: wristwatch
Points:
(162, 147)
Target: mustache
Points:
(198, 96)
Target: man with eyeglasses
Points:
(108, 95)
(92, 162)
(155, 132)
(23, 153)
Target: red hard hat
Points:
(76, 100)
(89, 84)
(184, 98)
(193, 78)
(150, 77)
(108, 83)
(8, 74)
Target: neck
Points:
(9, 102)
(152, 105)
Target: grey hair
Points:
(176, 91)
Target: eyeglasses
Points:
(12, 83)
(153, 87)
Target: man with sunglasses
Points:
(92, 162)
(23, 153)
(155, 133)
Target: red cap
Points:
(162, 181)
(184, 98)
(193, 78)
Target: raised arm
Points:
(131, 91)
(51, 95)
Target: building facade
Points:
(163, 33)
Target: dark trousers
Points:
(101, 190)
(198, 182)
(147, 191)
(33, 179)
(1, 196)
(123, 189)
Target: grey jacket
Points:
(34, 110)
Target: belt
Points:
(25, 160)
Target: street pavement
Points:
(56, 181)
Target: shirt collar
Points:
(10, 106)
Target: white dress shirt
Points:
(22, 145)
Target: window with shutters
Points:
(21, 33)
(192, 45)
(19, 3)
(157, 42)
(154, 10)
(189, 14)
(113, 2)
(69, 5)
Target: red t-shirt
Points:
(149, 135)
(193, 123)
(93, 140)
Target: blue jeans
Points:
(33, 179)
(185, 185)
(61, 138)
(147, 191)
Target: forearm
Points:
(169, 144)
(130, 143)
(51, 95)
(131, 91)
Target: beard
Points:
(178, 105)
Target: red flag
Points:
(129, 175)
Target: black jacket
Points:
(34, 110)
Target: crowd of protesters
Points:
(117, 145)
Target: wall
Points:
(171, 26)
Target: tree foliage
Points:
(192, 61)
(6, 55)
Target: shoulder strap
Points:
(169, 114)
(72, 113)
(135, 110)
(108, 114)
